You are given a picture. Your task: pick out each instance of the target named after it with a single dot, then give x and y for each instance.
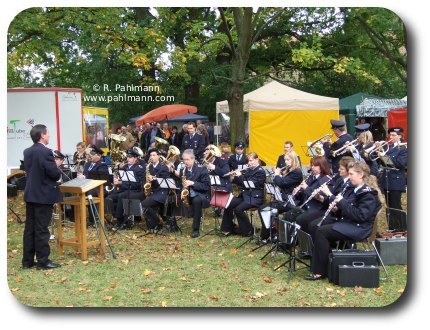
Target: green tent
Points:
(347, 107)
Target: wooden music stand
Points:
(78, 187)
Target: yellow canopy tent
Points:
(278, 113)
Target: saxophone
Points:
(147, 185)
(185, 192)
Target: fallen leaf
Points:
(108, 298)
(146, 291)
(223, 264)
(329, 289)
(401, 291)
(161, 288)
(342, 293)
(18, 279)
(183, 278)
(113, 285)
(215, 298)
(199, 266)
(148, 272)
(125, 261)
(233, 251)
(14, 289)
(358, 289)
(250, 255)
(164, 303)
(267, 279)
(64, 279)
(378, 290)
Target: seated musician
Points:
(286, 180)
(365, 141)
(79, 157)
(155, 195)
(238, 157)
(225, 151)
(95, 168)
(126, 188)
(249, 198)
(358, 213)
(196, 179)
(288, 147)
(217, 167)
(307, 192)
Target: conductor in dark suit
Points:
(41, 193)
(339, 129)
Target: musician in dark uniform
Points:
(79, 157)
(95, 169)
(339, 129)
(249, 197)
(65, 176)
(392, 178)
(41, 192)
(158, 196)
(124, 188)
(305, 192)
(358, 214)
(365, 141)
(288, 147)
(225, 152)
(194, 141)
(286, 180)
(198, 183)
(238, 157)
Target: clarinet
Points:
(331, 206)
(316, 191)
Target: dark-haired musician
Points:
(249, 198)
(157, 195)
(339, 129)
(193, 141)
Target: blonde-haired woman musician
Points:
(286, 180)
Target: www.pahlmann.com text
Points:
(128, 98)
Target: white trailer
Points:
(60, 109)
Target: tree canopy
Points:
(204, 55)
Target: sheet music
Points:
(215, 180)
(242, 167)
(110, 170)
(248, 184)
(129, 176)
(265, 216)
(168, 183)
(278, 194)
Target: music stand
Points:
(250, 185)
(167, 183)
(215, 183)
(129, 176)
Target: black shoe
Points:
(304, 255)
(226, 233)
(195, 234)
(261, 241)
(314, 277)
(49, 265)
(27, 266)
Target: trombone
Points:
(344, 149)
(315, 148)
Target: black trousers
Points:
(118, 198)
(325, 236)
(150, 207)
(307, 217)
(238, 206)
(197, 209)
(36, 234)
(394, 209)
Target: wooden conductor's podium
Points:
(79, 202)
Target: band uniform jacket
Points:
(139, 174)
(313, 183)
(42, 175)
(288, 182)
(395, 179)
(358, 213)
(234, 163)
(195, 142)
(161, 172)
(92, 171)
(339, 143)
(221, 169)
(373, 165)
(254, 196)
(200, 176)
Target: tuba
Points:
(172, 152)
(117, 156)
(138, 151)
(212, 151)
(185, 192)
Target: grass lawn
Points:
(174, 270)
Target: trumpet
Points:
(234, 171)
(344, 149)
(378, 149)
